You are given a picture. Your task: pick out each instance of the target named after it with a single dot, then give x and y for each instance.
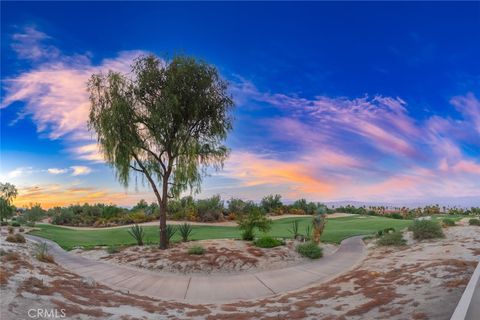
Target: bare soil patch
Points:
(221, 256)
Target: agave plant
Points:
(185, 231)
(308, 232)
(137, 233)
(171, 230)
(294, 229)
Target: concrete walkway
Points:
(214, 288)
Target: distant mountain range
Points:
(462, 202)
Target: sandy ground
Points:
(423, 280)
(219, 224)
(221, 256)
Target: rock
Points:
(89, 282)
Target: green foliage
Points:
(6, 210)
(294, 229)
(34, 213)
(448, 222)
(308, 232)
(4, 223)
(167, 124)
(111, 249)
(255, 218)
(267, 242)
(15, 224)
(426, 229)
(310, 250)
(185, 230)
(385, 231)
(16, 238)
(210, 209)
(271, 202)
(308, 207)
(474, 222)
(41, 253)
(171, 230)
(391, 239)
(197, 250)
(248, 235)
(394, 216)
(137, 233)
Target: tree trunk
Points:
(163, 215)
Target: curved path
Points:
(214, 288)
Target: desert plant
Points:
(391, 239)
(111, 249)
(448, 222)
(41, 253)
(21, 230)
(308, 232)
(267, 242)
(474, 222)
(171, 230)
(310, 250)
(197, 249)
(294, 229)
(185, 230)
(16, 238)
(319, 220)
(385, 231)
(137, 233)
(255, 218)
(426, 229)
(10, 230)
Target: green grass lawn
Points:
(335, 231)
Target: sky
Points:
(375, 102)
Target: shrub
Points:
(395, 216)
(310, 250)
(474, 222)
(426, 229)
(248, 235)
(255, 218)
(30, 224)
(185, 230)
(41, 253)
(392, 239)
(16, 238)
(267, 242)
(21, 230)
(15, 224)
(448, 222)
(111, 249)
(4, 223)
(171, 230)
(137, 233)
(294, 229)
(385, 231)
(10, 230)
(198, 250)
(210, 209)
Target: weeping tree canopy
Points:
(166, 121)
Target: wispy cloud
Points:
(54, 89)
(80, 170)
(57, 171)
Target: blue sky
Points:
(335, 101)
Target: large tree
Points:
(165, 120)
(8, 192)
